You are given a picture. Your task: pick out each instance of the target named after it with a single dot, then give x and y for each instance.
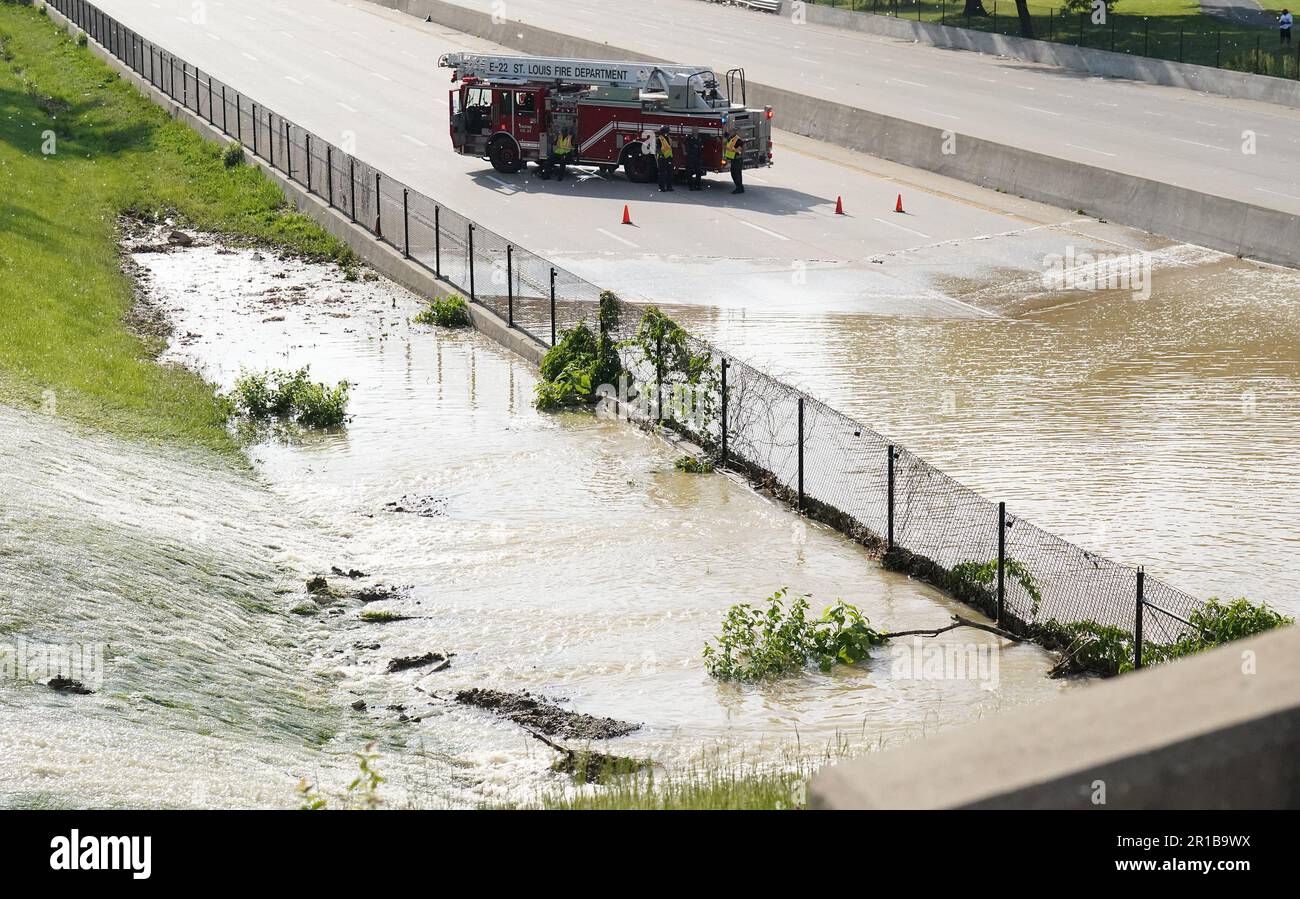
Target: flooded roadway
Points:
(1160, 431)
(564, 555)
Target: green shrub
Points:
(984, 575)
(692, 465)
(567, 370)
(446, 312)
(581, 361)
(758, 644)
(292, 395)
(1108, 650)
(233, 155)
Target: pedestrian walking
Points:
(664, 159)
(1284, 27)
(734, 153)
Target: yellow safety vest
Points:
(733, 148)
(563, 146)
(665, 148)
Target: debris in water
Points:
(405, 663)
(537, 714)
(350, 573)
(68, 685)
(424, 506)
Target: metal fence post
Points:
(225, 117)
(510, 285)
(307, 140)
(1180, 45)
(801, 454)
(552, 307)
(239, 117)
(1137, 621)
(1002, 561)
(379, 208)
(659, 378)
(329, 173)
(1082, 16)
(889, 500)
(211, 118)
(352, 187)
(723, 459)
(271, 135)
(185, 85)
(406, 223)
(437, 242)
(1146, 35)
(288, 150)
(473, 297)
(255, 153)
(1218, 46)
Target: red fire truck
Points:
(510, 110)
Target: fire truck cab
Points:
(511, 109)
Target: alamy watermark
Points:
(1098, 271)
(30, 661)
(929, 661)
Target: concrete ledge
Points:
(1205, 219)
(383, 258)
(1220, 730)
(1103, 63)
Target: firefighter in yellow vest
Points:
(734, 153)
(562, 154)
(664, 158)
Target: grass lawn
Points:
(78, 147)
(1166, 29)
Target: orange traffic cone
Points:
(627, 215)
(898, 204)
(839, 205)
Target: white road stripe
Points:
(493, 178)
(415, 140)
(905, 81)
(381, 76)
(1043, 111)
(1197, 143)
(345, 106)
(942, 114)
(616, 237)
(1277, 193)
(908, 230)
(1090, 150)
(764, 230)
(250, 56)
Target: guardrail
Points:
(824, 463)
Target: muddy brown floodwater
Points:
(1161, 431)
(561, 555)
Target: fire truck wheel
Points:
(504, 156)
(640, 167)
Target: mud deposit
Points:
(545, 717)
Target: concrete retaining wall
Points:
(1225, 83)
(383, 258)
(1176, 212)
(1220, 730)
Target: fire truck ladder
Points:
(594, 72)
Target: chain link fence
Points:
(829, 466)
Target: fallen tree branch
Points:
(958, 621)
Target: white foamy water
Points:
(565, 555)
